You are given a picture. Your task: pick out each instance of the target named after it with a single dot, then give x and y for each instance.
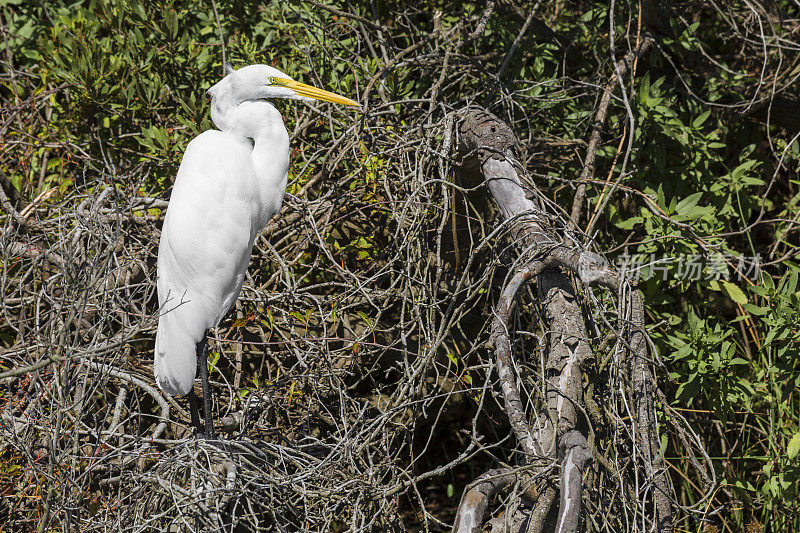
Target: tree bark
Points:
(487, 151)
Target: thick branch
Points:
(508, 381)
(488, 149)
(493, 144)
(647, 427)
(576, 454)
(476, 498)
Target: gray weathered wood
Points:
(487, 151)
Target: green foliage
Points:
(731, 343)
(699, 177)
(137, 72)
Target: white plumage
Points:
(215, 212)
(230, 183)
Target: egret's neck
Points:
(260, 123)
(251, 119)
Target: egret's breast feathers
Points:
(206, 237)
(225, 191)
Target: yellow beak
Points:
(312, 92)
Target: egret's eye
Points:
(272, 80)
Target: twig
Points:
(597, 128)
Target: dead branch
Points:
(489, 145)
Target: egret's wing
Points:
(204, 250)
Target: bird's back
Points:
(208, 233)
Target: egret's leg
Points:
(198, 429)
(202, 347)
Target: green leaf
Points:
(699, 120)
(794, 446)
(756, 310)
(734, 292)
(629, 223)
(365, 318)
(688, 203)
(213, 358)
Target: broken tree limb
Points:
(487, 151)
(644, 402)
(575, 452)
(508, 382)
(476, 499)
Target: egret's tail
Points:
(175, 364)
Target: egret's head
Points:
(256, 82)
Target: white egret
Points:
(230, 182)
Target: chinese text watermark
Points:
(688, 267)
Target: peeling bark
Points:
(476, 499)
(575, 452)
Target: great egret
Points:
(230, 183)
